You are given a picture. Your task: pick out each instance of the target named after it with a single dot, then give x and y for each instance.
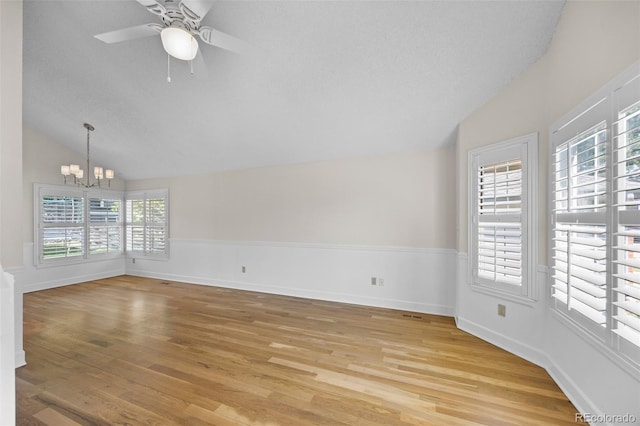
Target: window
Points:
(626, 288)
(62, 226)
(105, 225)
(502, 231)
(147, 223)
(63, 231)
(579, 240)
(595, 233)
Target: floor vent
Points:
(412, 316)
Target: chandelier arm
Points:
(78, 174)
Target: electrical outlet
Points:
(380, 282)
(244, 269)
(502, 310)
(374, 280)
(133, 260)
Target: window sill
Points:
(52, 263)
(522, 300)
(579, 330)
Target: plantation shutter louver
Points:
(105, 228)
(147, 223)
(580, 231)
(595, 213)
(61, 225)
(499, 229)
(626, 188)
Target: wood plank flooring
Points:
(138, 351)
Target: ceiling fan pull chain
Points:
(168, 68)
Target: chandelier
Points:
(78, 174)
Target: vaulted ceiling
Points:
(322, 80)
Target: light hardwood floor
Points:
(139, 351)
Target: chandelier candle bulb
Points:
(98, 172)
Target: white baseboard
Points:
(30, 278)
(415, 279)
(507, 343)
(307, 294)
(29, 287)
(21, 358)
(577, 397)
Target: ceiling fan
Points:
(181, 22)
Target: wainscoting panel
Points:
(413, 279)
(30, 278)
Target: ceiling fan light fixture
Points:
(179, 43)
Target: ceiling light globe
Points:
(179, 43)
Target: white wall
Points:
(7, 349)
(319, 230)
(10, 132)
(11, 353)
(413, 279)
(594, 42)
(402, 200)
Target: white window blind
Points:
(61, 227)
(626, 288)
(499, 229)
(105, 225)
(147, 223)
(595, 250)
(76, 224)
(501, 205)
(580, 231)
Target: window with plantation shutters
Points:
(595, 249)
(499, 228)
(62, 230)
(500, 232)
(76, 224)
(580, 223)
(105, 225)
(626, 245)
(147, 223)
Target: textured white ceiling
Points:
(325, 80)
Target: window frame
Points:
(42, 190)
(523, 148)
(603, 106)
(145, 196)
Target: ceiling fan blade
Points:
(223, 40)
(153, 7)
(195, 10)
(130, 33)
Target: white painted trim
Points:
(526, 149)
(587, 335)
(30, 278)
(323, 246)
(9, 329)
(417, 279)
(507, 343)
(61, 282)
(20, 358)
(308, 294)
(577, 397)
